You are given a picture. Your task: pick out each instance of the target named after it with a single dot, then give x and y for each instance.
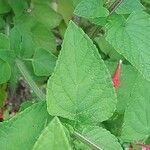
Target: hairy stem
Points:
(7, 26)
(86, 141)
(114, 6)
(29, 80)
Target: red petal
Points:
(143, 146)
(116, 76)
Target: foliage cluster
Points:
(74, 47)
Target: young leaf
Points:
(91, 9)
(43, 37)
(53, 137)
(39, 11)
(129, 6)
(8, 56)
(22, 131)
(43, 62)
(65, 8)
(131, 38)
(100, 138)
(137, 115)
(21, 42)
(45, 14)
(101, 21)
(18, 6)
(81, 87)
(5, 71)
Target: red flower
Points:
(116, 76)
(147, 147)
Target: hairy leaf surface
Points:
(137, 115)
(80, 88)
(43, 62)
(22, 131)
(100, 138)
(53, 137)
(91, 9)
(131, 38)
(128, 6)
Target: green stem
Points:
(86, 141)
(7, 27)
(28, 59)
(29, 79)
(114, 6)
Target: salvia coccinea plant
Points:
(87, 63)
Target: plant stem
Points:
(86, 141)
(29, 79)
(114, 6)
(7, 27)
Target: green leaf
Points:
(40, 12)
(100, 21)
(128, 78)
(27, 45)
(53, 137)
(114, 124)
(18, 6)
(22, 131)
(26, 21)
(131, 38)
(91, 9)
(137, 116)
(21, 42)
(15, 40)
(129, 6)
(45, 14)
(8, 56)
(4, 7)
(75, 2)
(66, 8)
(5, 71)
(107, 49)
(100, 138)
(80, 146)
(38, 79)
(25, 105)
(80, 88)
(4, 42)
(146, 1)
(43, 38)
(43, 62)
